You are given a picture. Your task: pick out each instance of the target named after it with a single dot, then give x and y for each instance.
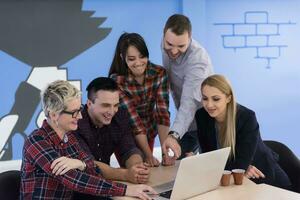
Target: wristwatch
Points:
(175, 135)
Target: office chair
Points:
(288, 161)
(10, 185)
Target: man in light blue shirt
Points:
(187, 64)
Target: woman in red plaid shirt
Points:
(144, 92)
(54, 165)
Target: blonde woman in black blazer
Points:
(222, 123)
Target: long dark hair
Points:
(118, 65)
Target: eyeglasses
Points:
(74, 113)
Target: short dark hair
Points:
(178, 24)
(100, 83)
(118, 65)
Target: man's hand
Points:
(138, 173)
(253, 172)
(62, 165)
(140, 191)
(152, 161)
(170, 143)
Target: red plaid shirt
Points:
(147, 104)
(41, 148)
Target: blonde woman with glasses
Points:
(53, 164)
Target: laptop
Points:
(196, 175)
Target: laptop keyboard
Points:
(166, 194)
(165, 186)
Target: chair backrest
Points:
(288, 161)
(10, 185)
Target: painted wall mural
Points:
(255, 31)
(260, 57)
(42, 40)
(33, 34)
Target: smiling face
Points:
(175, 45)
(215, 102)
(65, 121)
(104, 107)
(135, 61)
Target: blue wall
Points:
(269, 89)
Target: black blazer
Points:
(249, 149)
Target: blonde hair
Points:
(56, 95)
(228, 132)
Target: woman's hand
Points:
(152, 161)
(253, 172)
(63, 164)
(140, 191)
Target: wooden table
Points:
(248, 191)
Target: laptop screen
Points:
(198, 174)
